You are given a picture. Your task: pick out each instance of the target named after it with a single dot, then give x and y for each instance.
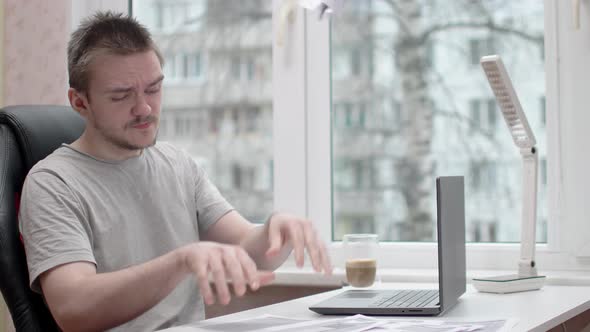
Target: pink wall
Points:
(34, 70)
(35, 39)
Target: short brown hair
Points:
(114, 33)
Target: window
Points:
(236, 67)
(170, 66)
(482, 231)
(482, 176)
(243, 68)
(191, 65)
(250, 69)
(484, 114)
(243, 177)
(209, 119)
(355, 62)
(171, 16)
(183, 66)
(163, 129)
(350, 116)
(543, 171)
(450, 121)
(340, 64)
(479, 48)
(347, 60)
(543, 111)
(251, 120)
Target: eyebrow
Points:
(128, 89)
(157, 81)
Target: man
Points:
(114, 225)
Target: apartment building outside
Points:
(217, 105)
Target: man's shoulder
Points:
(56, 166)
(61, 158)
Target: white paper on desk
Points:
(270, 323)
(260, 323)
(357, 323)
(392, 325)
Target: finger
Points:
(218, 271)
(311, 244)
(249, 268)
(275, 239)
(298, 242)
(234, 269)
(202, 275)
(266, 277)
(326, 262)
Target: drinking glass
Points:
(361, 259)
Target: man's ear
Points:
(78, 101)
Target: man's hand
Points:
(286, 230)
(270, 244)
(223, 262)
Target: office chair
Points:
(27, 135)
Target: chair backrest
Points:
(27, 135)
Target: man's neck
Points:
(103, 150)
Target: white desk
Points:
(536, 310)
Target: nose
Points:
(141, 107)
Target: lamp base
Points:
(508, 283)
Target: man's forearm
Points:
(105, 300)
(256, 243)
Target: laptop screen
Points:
(451, 239)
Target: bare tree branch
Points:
(490, 25)
(394, 10)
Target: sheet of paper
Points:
(444, 326)
(357, 323)
(260, 323)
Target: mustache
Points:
(141, 120)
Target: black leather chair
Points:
(27, 135)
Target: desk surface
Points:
(535, 310)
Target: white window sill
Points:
(291, 276)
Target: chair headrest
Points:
(40, 129)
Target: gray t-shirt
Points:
(75, 207)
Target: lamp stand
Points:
(527, 278)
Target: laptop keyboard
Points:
(407, 299)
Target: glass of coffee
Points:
(361, 259)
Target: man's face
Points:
(124, 98)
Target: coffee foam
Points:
(361, 263)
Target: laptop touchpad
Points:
(358, 294)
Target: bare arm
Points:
(270, 244)
(82, 300)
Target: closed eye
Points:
(120, 97)
(153, 91)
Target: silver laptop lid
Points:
(451, 239)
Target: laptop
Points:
(450, 202)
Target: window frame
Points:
(308, 192)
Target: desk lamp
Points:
(527, 278)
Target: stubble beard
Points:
(124, 144)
